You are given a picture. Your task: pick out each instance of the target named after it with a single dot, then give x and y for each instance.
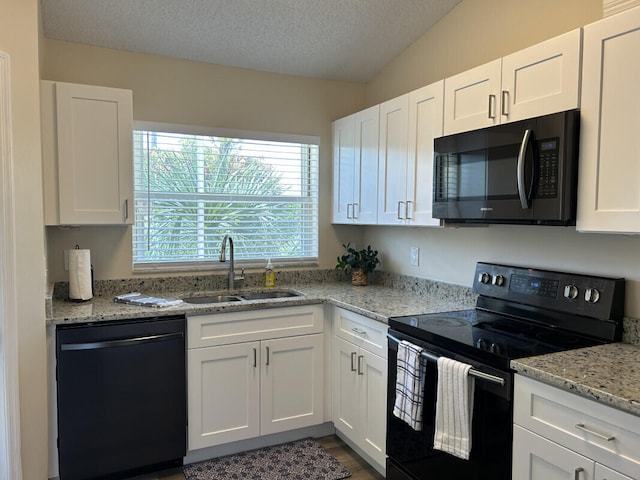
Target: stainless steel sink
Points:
(269, 294)
(212, 299)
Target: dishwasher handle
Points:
(123, 342)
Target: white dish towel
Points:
(454, 408)
(410, 375)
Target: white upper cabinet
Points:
(355, 167)
(609, 174)
(87, 136)
(425, 124)
(392, 163)
(536, 81)
(408, 126)
(471, 98)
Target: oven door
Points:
(410, 453)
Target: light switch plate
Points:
(415, 256)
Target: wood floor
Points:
(359, 469)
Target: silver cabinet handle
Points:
(356, 210)
(505, 103)
(267, 362)
(126, 209)
(353, 361)
(400, 217)
(577, 472)
(604, 436)
(349, 205)
(360, 372)
(358, 331)
(407, 215)
(255, 358)
(492, 102)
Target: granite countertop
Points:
(609, 374)
(373, 301)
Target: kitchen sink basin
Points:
(269, 294)
(212, 299)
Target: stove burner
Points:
(449, 322)
(558, 339)
(510, 326)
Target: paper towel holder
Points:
(80, 300)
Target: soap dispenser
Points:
(269, 275)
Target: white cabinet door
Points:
(471, 98)
(360, 383)
(372, 371)
(536, 458)
(425, 124)
(346, 391)
(365, 197)
(538, 80)
(355, 168)
(392, 172)
(541, 79)
(292, 393)
(88, 154)
(224, 394)
(604, 473)
(343, 169)
(609, 173)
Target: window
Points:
(192, 189)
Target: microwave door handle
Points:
(522, 191)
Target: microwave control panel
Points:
(548, 153)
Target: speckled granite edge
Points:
(608, 374)
(631, 331)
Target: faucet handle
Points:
(240, 277)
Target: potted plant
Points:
(359, 263)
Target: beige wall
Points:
(19, 38)
(473, 33)
(476, 32)
(193, 93)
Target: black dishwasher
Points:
(122, 407)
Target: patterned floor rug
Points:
(303, 459)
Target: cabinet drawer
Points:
(608, 436)
(362, 331)
(251, 325)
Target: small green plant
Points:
(366, 259)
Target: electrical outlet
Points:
(415, 256)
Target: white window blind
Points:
(191, 190)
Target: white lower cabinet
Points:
(558, 435)
(238, 391)
(360, 385)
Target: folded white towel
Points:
(410, 376)
(454, 408)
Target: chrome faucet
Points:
(232, 274)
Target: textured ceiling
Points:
(347, 40)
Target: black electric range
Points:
(520, 312)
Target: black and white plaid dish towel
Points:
(410, 379)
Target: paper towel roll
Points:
(80, 285)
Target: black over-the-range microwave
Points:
(523, 172)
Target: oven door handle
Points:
(473, 372)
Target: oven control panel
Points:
(579, 294)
